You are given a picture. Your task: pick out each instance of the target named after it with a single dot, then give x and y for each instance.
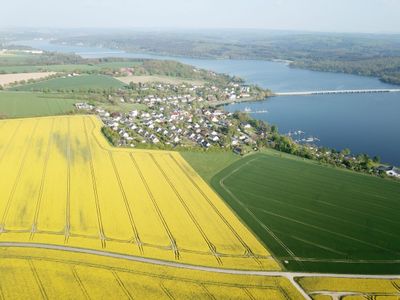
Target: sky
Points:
(304, 15)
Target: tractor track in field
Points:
(210, 245)
(126, 203)
(42, 182)
(265, 227)
(248, 250)
(291, 276)
(94, 186)
(10, 199)
(171, 237)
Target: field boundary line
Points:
(246, 247)
(127, 206)
(211, 246)
(42, 181)
(157, 208)
(16, 182)
(94, 186)
(68, 200)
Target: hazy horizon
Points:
(356, 16)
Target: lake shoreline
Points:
(236, 101)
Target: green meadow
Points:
(314, 218)
(83, 82)
(26, 104)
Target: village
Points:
(187, 117)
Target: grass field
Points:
(208, 164)
(73, 83)
(27, 104)
(62, 184)
(316, 218)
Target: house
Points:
(390, 171)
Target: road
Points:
(289, 275)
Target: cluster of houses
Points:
(201, 127)
(175, 121)
(187, 93)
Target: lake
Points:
(365, 123)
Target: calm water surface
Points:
(365, 123)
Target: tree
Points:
(376, 159)
(1, 87)
(346, 152)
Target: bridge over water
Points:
(333, 92)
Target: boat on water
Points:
(247, 109)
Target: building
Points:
(390, 171)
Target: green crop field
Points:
(73, 83)
(316, 218)
(26, 104)
(66, 68)
(208, 164)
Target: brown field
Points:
(155, 78)
(6, 79)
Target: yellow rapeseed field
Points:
(49, 274)
(62, 184)
(355, 288)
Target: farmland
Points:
(77, 215)
(351, 288)
(6, 79)
(64, 185)
(26, 104)
(14, 68)
(154, 78)
(208, 164)
(45, 274)
(315, 218)
(73, 83)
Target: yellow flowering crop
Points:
(62, 184)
